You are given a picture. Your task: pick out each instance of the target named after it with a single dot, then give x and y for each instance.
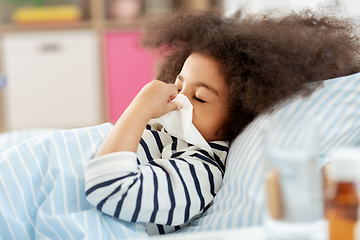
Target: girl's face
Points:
(202, 83)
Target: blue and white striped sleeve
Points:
(164, 191)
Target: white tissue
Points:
(179, 124)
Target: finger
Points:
(172, 97)
(173, 91)
(179, 106)
(174, 106)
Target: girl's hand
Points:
(154, 99)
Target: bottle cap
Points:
(344, 165)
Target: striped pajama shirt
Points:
(166, 184)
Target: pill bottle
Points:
(341, 199)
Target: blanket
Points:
(42, 192)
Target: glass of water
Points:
(293, 181)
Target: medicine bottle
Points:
(341, 200)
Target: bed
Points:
(63, 213)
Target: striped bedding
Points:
(12, 138)
(46, 199)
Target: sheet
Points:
(42, 189)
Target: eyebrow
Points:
(200, 84)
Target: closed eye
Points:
(198, 99)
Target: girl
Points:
(174, 179)
(230, 69)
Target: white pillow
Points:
(240, 202)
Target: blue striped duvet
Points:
(42, 199)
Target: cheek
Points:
(197, 120)
(207, 122)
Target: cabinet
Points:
(79, 73)
(52, 79)
(128, 69)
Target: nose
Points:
(186, 93)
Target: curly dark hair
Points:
(264, 59)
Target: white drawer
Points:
(53, 79)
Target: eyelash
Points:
(198, 99)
